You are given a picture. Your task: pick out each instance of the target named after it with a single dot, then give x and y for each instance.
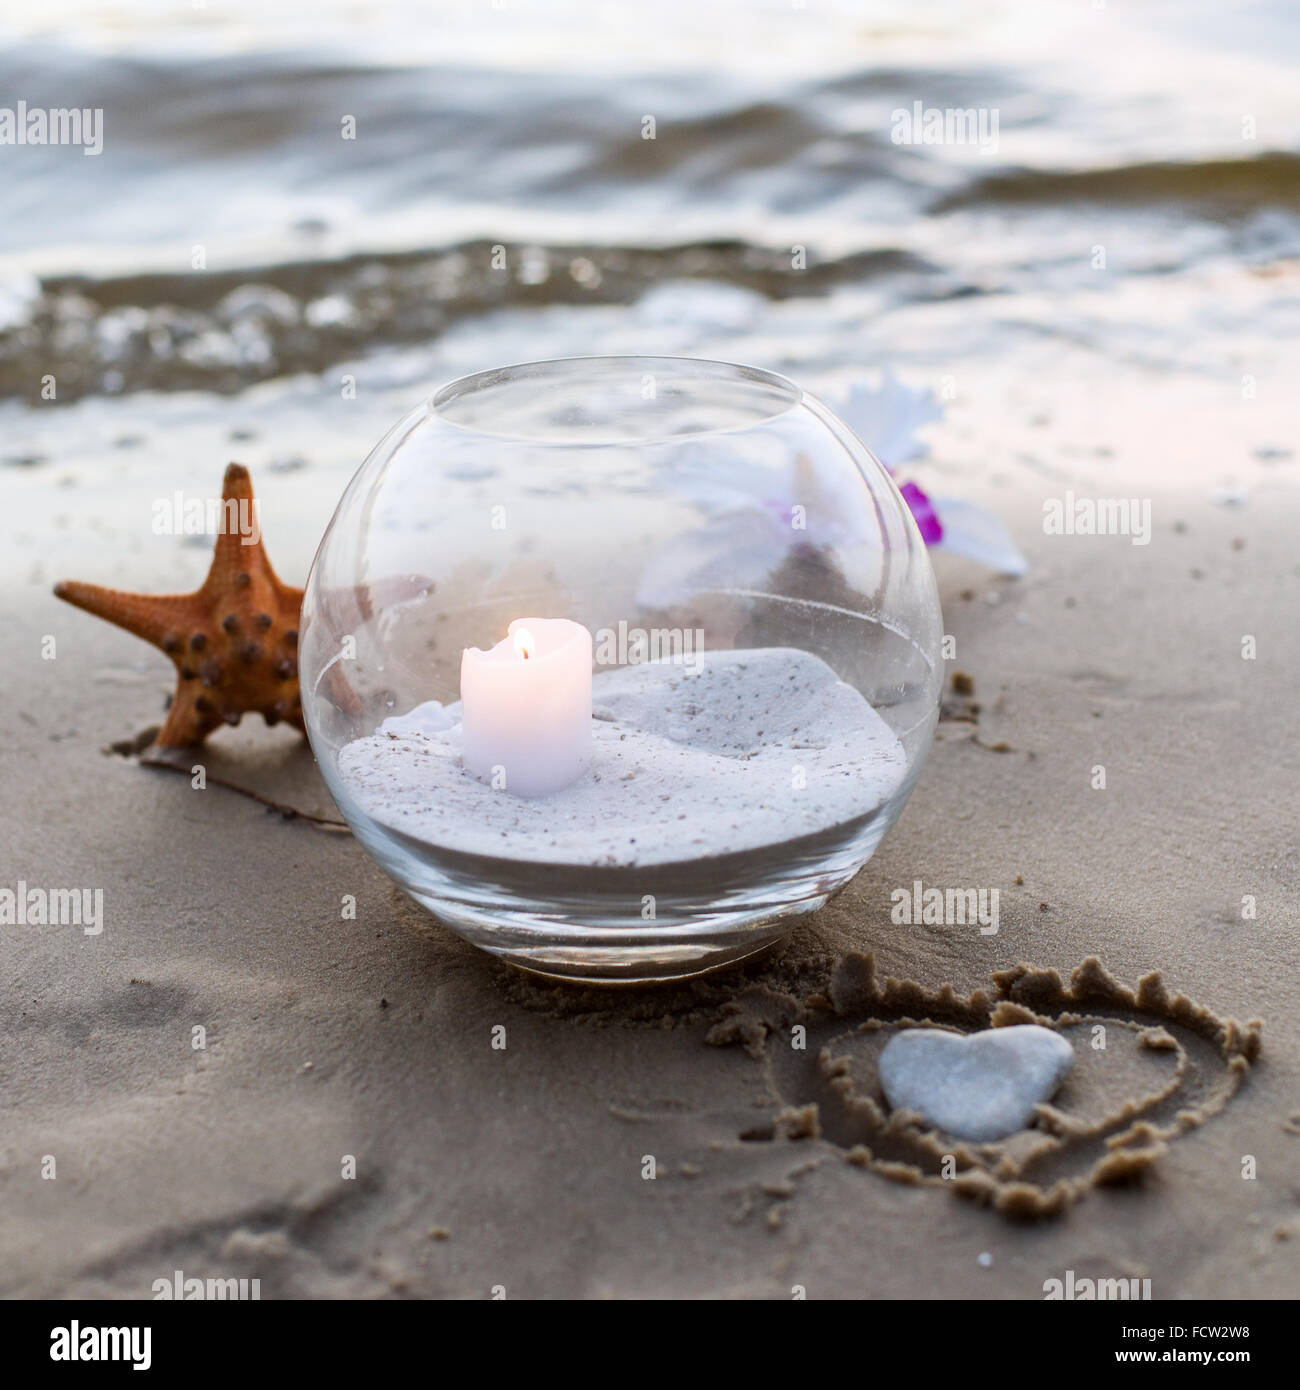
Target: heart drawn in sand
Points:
(1155, 1066)
(977, 1086)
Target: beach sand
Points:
(523, 1167)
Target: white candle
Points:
(526, 706)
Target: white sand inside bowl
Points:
(737, 752)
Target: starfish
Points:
(234, 640)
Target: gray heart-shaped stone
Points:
(977, 1086)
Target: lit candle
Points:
(526, 706)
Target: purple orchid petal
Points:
(923, 510)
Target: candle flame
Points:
(525, 643)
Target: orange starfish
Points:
(234, 641)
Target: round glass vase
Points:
(765, 646)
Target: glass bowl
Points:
(763, 679)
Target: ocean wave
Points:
(224, 331)
(1224, 186)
